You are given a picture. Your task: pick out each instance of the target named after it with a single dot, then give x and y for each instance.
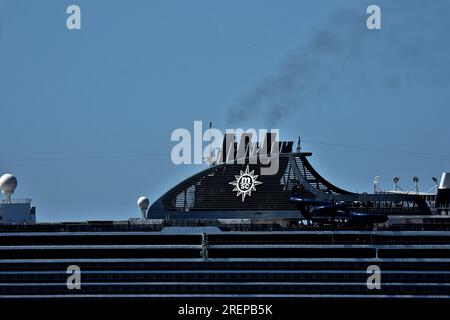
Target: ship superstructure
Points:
(220, 235)
(211, 194)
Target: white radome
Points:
(8, 183)
(143, 203)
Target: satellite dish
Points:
(143, 204)
(8, 184)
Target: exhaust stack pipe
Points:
(443, 193)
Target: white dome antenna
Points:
(143, 204)
(8, 184)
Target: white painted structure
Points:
(18, 211)
(14, 210)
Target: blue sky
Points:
(87, 114)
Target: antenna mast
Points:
(210, 151)
(298, 144)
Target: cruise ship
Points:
(232, 233)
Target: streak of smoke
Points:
(344, 55)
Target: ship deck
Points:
(207, 263)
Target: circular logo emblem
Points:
(245, 183)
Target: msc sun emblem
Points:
(245, 183)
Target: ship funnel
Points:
(445, 181)
(443, 193)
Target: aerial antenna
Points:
(396, 179)
(8, 184)
(435, 180)
(209, 158)
(210, 137)
(416, 183)
(376, 181)
(434, 188)
(143, 204)
(298, 144)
